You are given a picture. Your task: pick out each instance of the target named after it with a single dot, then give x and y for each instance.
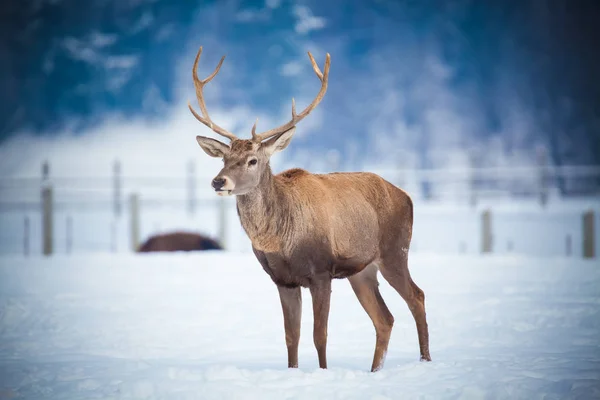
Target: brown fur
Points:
(178, 241)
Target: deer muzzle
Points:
(223, 185)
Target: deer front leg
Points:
(321, 295)
(291, 303)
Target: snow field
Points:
(209, 326)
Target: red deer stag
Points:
(307, 229)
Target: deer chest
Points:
(300, 268)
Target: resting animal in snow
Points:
(178, 241)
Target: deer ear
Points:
(213, 147)
(278, 142)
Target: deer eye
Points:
(253, 161)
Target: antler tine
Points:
(199, 86)
(323, 77)
(316, 66)
(254, 130)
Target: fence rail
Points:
(100, 210)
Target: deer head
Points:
(247, 160)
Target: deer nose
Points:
(218, 183)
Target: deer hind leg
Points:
(395, 271)
(366, 288)
(321, 296)
(291, 303)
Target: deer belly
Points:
(351, 258)
(312, 260)
(344, 268)
(345, 271)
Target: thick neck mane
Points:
(265, 213)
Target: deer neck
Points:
(259, 212)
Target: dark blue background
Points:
(537, 57)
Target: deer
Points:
(307, 229)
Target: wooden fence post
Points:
(222, 204)
(486, 232)
(134, 212)
(117, 188)
(425, 183)
(47, 211)
(589, 235)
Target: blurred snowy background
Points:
(486, 112)
(467, 105)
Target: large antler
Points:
(323, 77)
(199, 85)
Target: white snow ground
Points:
(209, 326)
